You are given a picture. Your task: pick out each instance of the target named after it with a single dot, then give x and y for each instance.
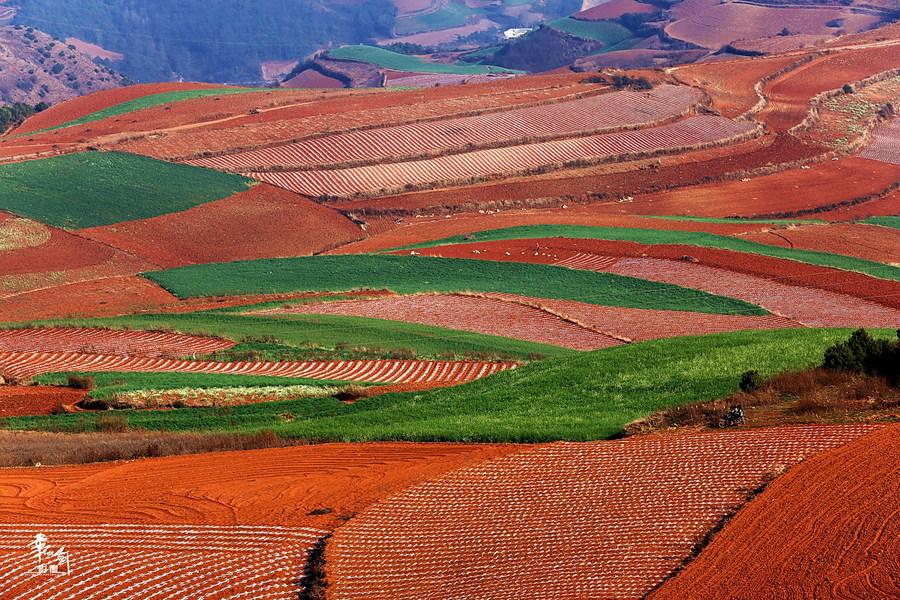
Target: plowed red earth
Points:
(591, 114)
(101, 297)
(24, 365)
(85, 105)
(468, 313)
(63, 258)
(635, 324)
(848, 288)
(693, 131)
(247, 499)
(262, 222)
(731, 83)
(863, 241)
(108, 341)
(36, 400)
(828, 529)
(119, 561)
(885, 144)
(625, 180)
(312, 79)
(342, 110)
(888, 205)
(567, 520)
(790, 94)
(801, 191)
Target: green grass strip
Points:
(148, 101)
(404, 62)
(892, 222)
(92, 189)
(662, 236)
(107, 385)
(412, 274)
(586, 396)
(607, 32)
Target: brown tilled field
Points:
(241, 227)
(827, 529)
(605, 519)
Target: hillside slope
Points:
(36, 68)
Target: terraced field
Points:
(412, 274)
(885, 146)
(140, 560)
(694, 131)
(608, 519)
(613, 110)
(25, 365)
(108, 341)
(853, 556)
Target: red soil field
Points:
(863, 241)
(790, 94)
(713, 24)
(828, 529)
(264, 494)
(611, 180)
(849, 287)
(637, 325)
(800, 191)
(422, 80)
(242, 227)
(566, 520)
(63, 257)
(689, 132)
(144, 561)
(591, 114)
(731, 83)
(109, 341)
(311, 78)
(885, 144)
(24, 365)
(102, 297)
(36, 400)
(886, 206)
(613, 10)
(85, 105)
(342, 110)
(468, 313)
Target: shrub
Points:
(80, 382)
(864, 354)
(751, 381)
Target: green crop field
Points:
(892, 222)
(308, 337)
(660, 236)
(148, 101)
(403, 62)
(454, 14)
(108, 385)
(579, 397)
(411, 274)
(101, 188)
(738, 220)
(607, 32)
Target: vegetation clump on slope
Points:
(579, 397)
(410, 274)
(92, 189)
